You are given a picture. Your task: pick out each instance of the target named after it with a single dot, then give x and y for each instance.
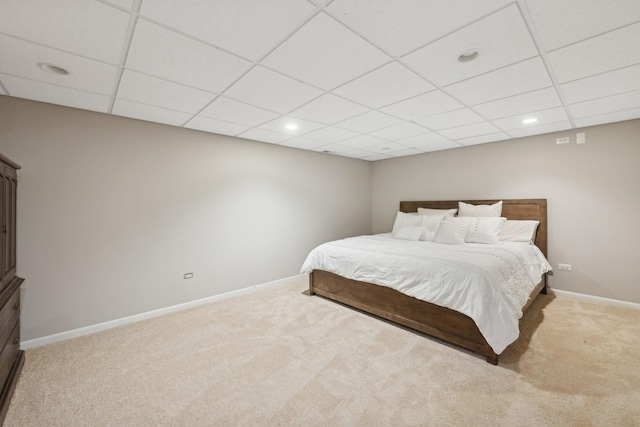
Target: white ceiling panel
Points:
(476, 129)
(492, 137)
(265, 136)
(423, 142)
(386, 85)
(362, 141)
(500, 39)
(357, 154)
(538, 130)
(270, 90)
(518, 104)
(369, 122)
(230, 110)
(401, 26)
(424, 105)
(215, 126)
(303, 143)
(329, 109)
(611, 83)
(618, 116)
(249, 28)
(401, 131)
(123, 4)
(461, 117)
(149, 113)
(437, 146)
(325, 53)
(150, 90)
(83, 27)
(182, 59)
(20, 58)
(560, 23)
(609, 104)
(614, 50)
(331, 134)
(552, 115)
(44, 92)
(333, 149)
(405, 152)
(387, 148)
(522, 77)
(376, 157)
(298, 126)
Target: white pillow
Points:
(445, 212)
(519, 231)
(486, 230)
(465, 209)
(452, 232)
(468, 221)
(409, 232)
(431, 223)
(405, 219)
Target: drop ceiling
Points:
(358, 78)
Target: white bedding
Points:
(489, 283)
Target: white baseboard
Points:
(593, 299)
(50, 339)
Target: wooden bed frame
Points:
(440, 322)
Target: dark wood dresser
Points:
(11, 357)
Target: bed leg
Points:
(492, 358)
(311, 293)
(543, 291)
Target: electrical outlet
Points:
(188, 275)
(564, 140)
(564, 267)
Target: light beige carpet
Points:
(278, 357)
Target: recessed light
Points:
(468, 55)
(529, 120)
(291, 126)
(52, 68)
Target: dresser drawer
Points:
(9, 354)
(9, 314)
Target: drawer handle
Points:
(17, 306)
(17, 340)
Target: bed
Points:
(429, 318)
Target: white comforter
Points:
(489, 283)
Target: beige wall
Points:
(113, 212)
(593, 194)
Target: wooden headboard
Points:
(533, 209)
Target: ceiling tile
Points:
(468, 131)
(437, 146)
(399, 26)
(611, 83)
(303, 143)
(387, 148)
(401, 131)
(405, 152)
(149, 113)
(424, 105)
(215, 126)
(331, 134)
(328, 109)
(552, 115)
(577, 61)
(519, 78)
(609, 104)
(250, 28)
(492, 137)
(500, 39)
(44, 92)
(20, 58)
(86, 28)
(384, 86)
(560, 23)
(325, 53)
(161, 93)
(461, 117)
(301, 126)
(357, 154)
(369, 122)
(518, 104)
(423, 142)
(181, 59)
(123, 4)
(265, 136)
(362, 141)
(230, 110)
(609, 118)
(272, 91)
(376, 157)
(333, 149)
(539, 130)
